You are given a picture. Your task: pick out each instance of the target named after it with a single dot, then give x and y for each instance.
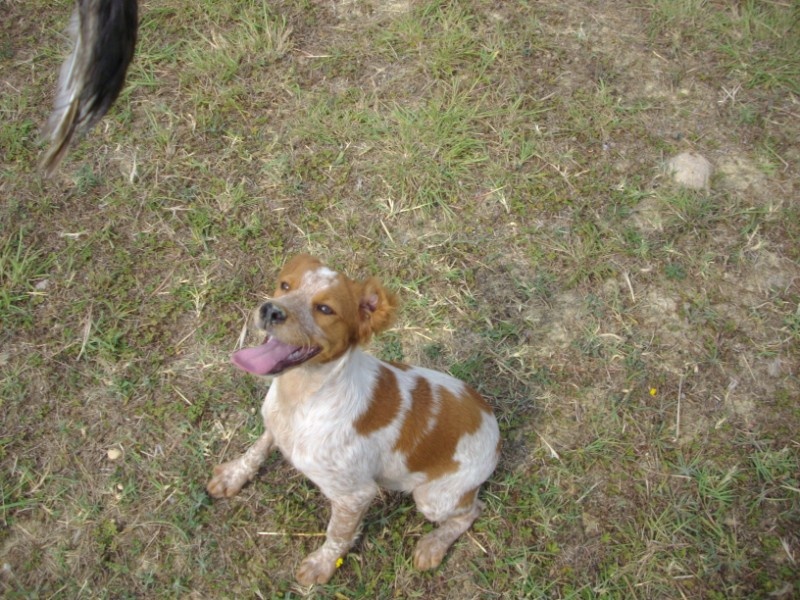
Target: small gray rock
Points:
(690, 170)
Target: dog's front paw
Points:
(317, 567)
(227, 479)
(429, 552)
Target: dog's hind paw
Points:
(429, 552)
(227, 479)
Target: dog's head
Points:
(315, 315)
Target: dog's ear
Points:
(377, 309)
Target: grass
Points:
(499, 166)
(22, 271)
(744, 37)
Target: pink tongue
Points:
(262, 359)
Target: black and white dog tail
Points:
(104, 38)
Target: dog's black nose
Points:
(271, 314)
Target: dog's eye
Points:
(285, 286)
(324, 309)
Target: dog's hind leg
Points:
(432, 547)
(453, 521)
(228, 478)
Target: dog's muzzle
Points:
(271, 314)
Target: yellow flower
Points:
(653, 391)
(339, 562)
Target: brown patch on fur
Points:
(383, 407)
(468, 499)
(431, 452)
(479, 400)
(416, 420)
(399, 366)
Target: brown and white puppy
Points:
(352, 423)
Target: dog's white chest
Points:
(308, 432)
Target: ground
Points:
(502, 167)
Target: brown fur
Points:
(468, 499)
(415, 425)
(384, 406)
(293, 270)
(377, 307)
(433, 455)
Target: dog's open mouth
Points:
(272, 357)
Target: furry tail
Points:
(104, 38)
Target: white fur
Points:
(318, 280)
(316, 434)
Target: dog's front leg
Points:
(228, 478)
(346, 515)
